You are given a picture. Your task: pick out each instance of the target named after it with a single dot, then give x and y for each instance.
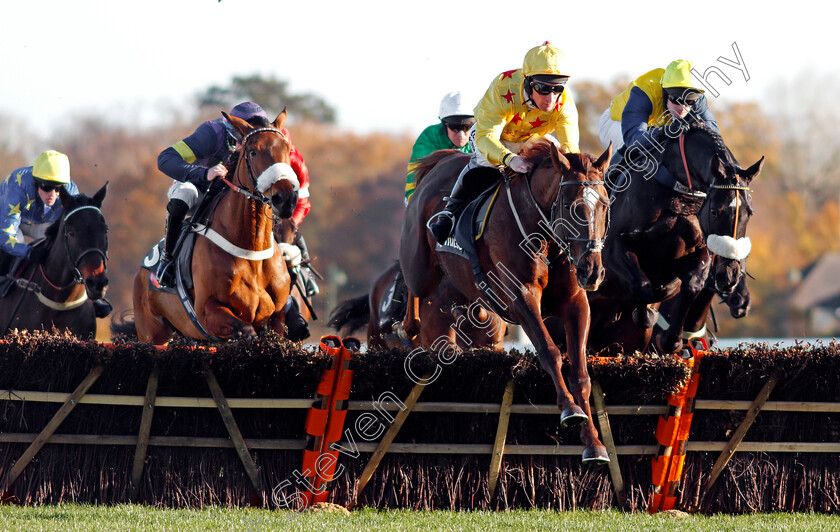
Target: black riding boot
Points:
(6, 261)
(176, 210)
(395, 308)
(442, 223)
(307, 276)
(297, 326)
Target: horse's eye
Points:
(252, 153)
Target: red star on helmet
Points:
(508, 74)
(508, 96)
(537, 123)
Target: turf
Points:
(87, 518)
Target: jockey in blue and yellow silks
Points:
(29, 203)
(519, 104)
(652, 101)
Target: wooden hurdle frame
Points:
(497, 449)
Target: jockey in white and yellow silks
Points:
(518, 105)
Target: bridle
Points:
(593, 245)
(77, 274)
(256, 195)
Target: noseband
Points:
(256, 195)
(593, 245)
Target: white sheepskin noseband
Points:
(726, 246)
(275, 173)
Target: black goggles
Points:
(547, 88)
(455, 128)
(683, 97)
(49, 187)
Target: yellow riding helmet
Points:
(678, 74)
(52, 166)
(545, 60)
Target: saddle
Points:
(469, 228)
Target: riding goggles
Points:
(547, 88)
(683, 97)
(49, 187)
(459, 127)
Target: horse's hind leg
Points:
(150, 327)
(410, 326)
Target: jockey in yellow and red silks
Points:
(519, 105)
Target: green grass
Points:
(72, 517)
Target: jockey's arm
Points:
(490, 121)
(13, 201)
(566, 130)
(634, 120)
(299, 166)
(704, 114)
(177, 161)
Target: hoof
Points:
(646, 319)
(596, 455)
(664, 346)
(400, 331)
(573, 417)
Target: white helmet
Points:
(453, 105)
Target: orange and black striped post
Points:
(325, 419)
(672, 432)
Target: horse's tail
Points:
(123, 326)
(350, 315)
(428, 162)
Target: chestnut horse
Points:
(550, 221)
(446, 317)
(240, 278)
(59, 294)
(662, 234)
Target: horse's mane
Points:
(719, 147)
(539, 150)
(426, 163)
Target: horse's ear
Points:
(559, 160)
(100, 195)
(68, 202)
(281, 119)
(238, 124)
(603, 161)
(750, 173)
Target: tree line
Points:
(357, 183)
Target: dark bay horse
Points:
(60, 293)
(662, 234)
(552, 220)
(240, 278)
(626, 337)
(445, 317)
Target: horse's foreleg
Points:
(623, 264)
(219, 320)
(694, 279)
(576, 320)
(526, 309)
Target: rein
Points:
(258, 196)
(77, 275)
(592, 245)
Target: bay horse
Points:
(240, 278)
(445, 317)
(60, 293)
(662, 234)
(553, 220)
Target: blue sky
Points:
(383, 65)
